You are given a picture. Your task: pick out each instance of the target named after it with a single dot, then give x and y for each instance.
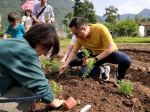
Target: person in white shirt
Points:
(77, 61)
(26, 19)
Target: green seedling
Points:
(125, 88)
(57, 89)
(86, 53)
(54, 65)
(88, 69)
(45, 63)
(67, 71)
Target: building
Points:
(144, 29)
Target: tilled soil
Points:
(104, 96)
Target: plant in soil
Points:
(44, 63)
(125, 88)
(57, 89)
(54, 65)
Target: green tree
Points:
(111, 15)
(86, 10)
(137, 18)
(69, 16)
(126, 27)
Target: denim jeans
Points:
(116, 57)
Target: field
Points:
(104, 96)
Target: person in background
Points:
(43, 12)
(21, 74)
(97, 38)
(17, 30)
(79, 59)
(26, 19)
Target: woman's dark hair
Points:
(13, 16)
(45, 35)
(77, 22)
(26, 13)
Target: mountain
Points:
(145, 13)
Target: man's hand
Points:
(56, 103)
(62, 68)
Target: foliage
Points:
(145, 19)
(54, 65)
(111, 15)
(44, 63)
(67, 71)
(125, 27)
(125, 88)
(86, 53)
(137, 18)
(89, 67)
(57, 89)
(86, 10)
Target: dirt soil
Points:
(104, 96)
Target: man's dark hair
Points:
(45, 35)
(13, 16)
(77, 22)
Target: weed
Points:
(125, 88)
(57, 89)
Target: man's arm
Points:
(105, 53)
(33, 15)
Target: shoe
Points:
(116, 76)
(105, 75)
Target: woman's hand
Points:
(56, 103)
(62, 68)
(63, 61)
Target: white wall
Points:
(142, 31)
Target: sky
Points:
(124, 6)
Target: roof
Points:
(146, 23)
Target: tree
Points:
(69, 16)
(85, 9)
(111, 15)
(126, 27)
(137, 18)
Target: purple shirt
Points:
(38, 7)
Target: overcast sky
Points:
(124, 6)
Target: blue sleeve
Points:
(29, 74)
(8, 30)
(23, 30)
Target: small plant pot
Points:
(70, 103)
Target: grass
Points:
(64, 42)
(131, 40)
